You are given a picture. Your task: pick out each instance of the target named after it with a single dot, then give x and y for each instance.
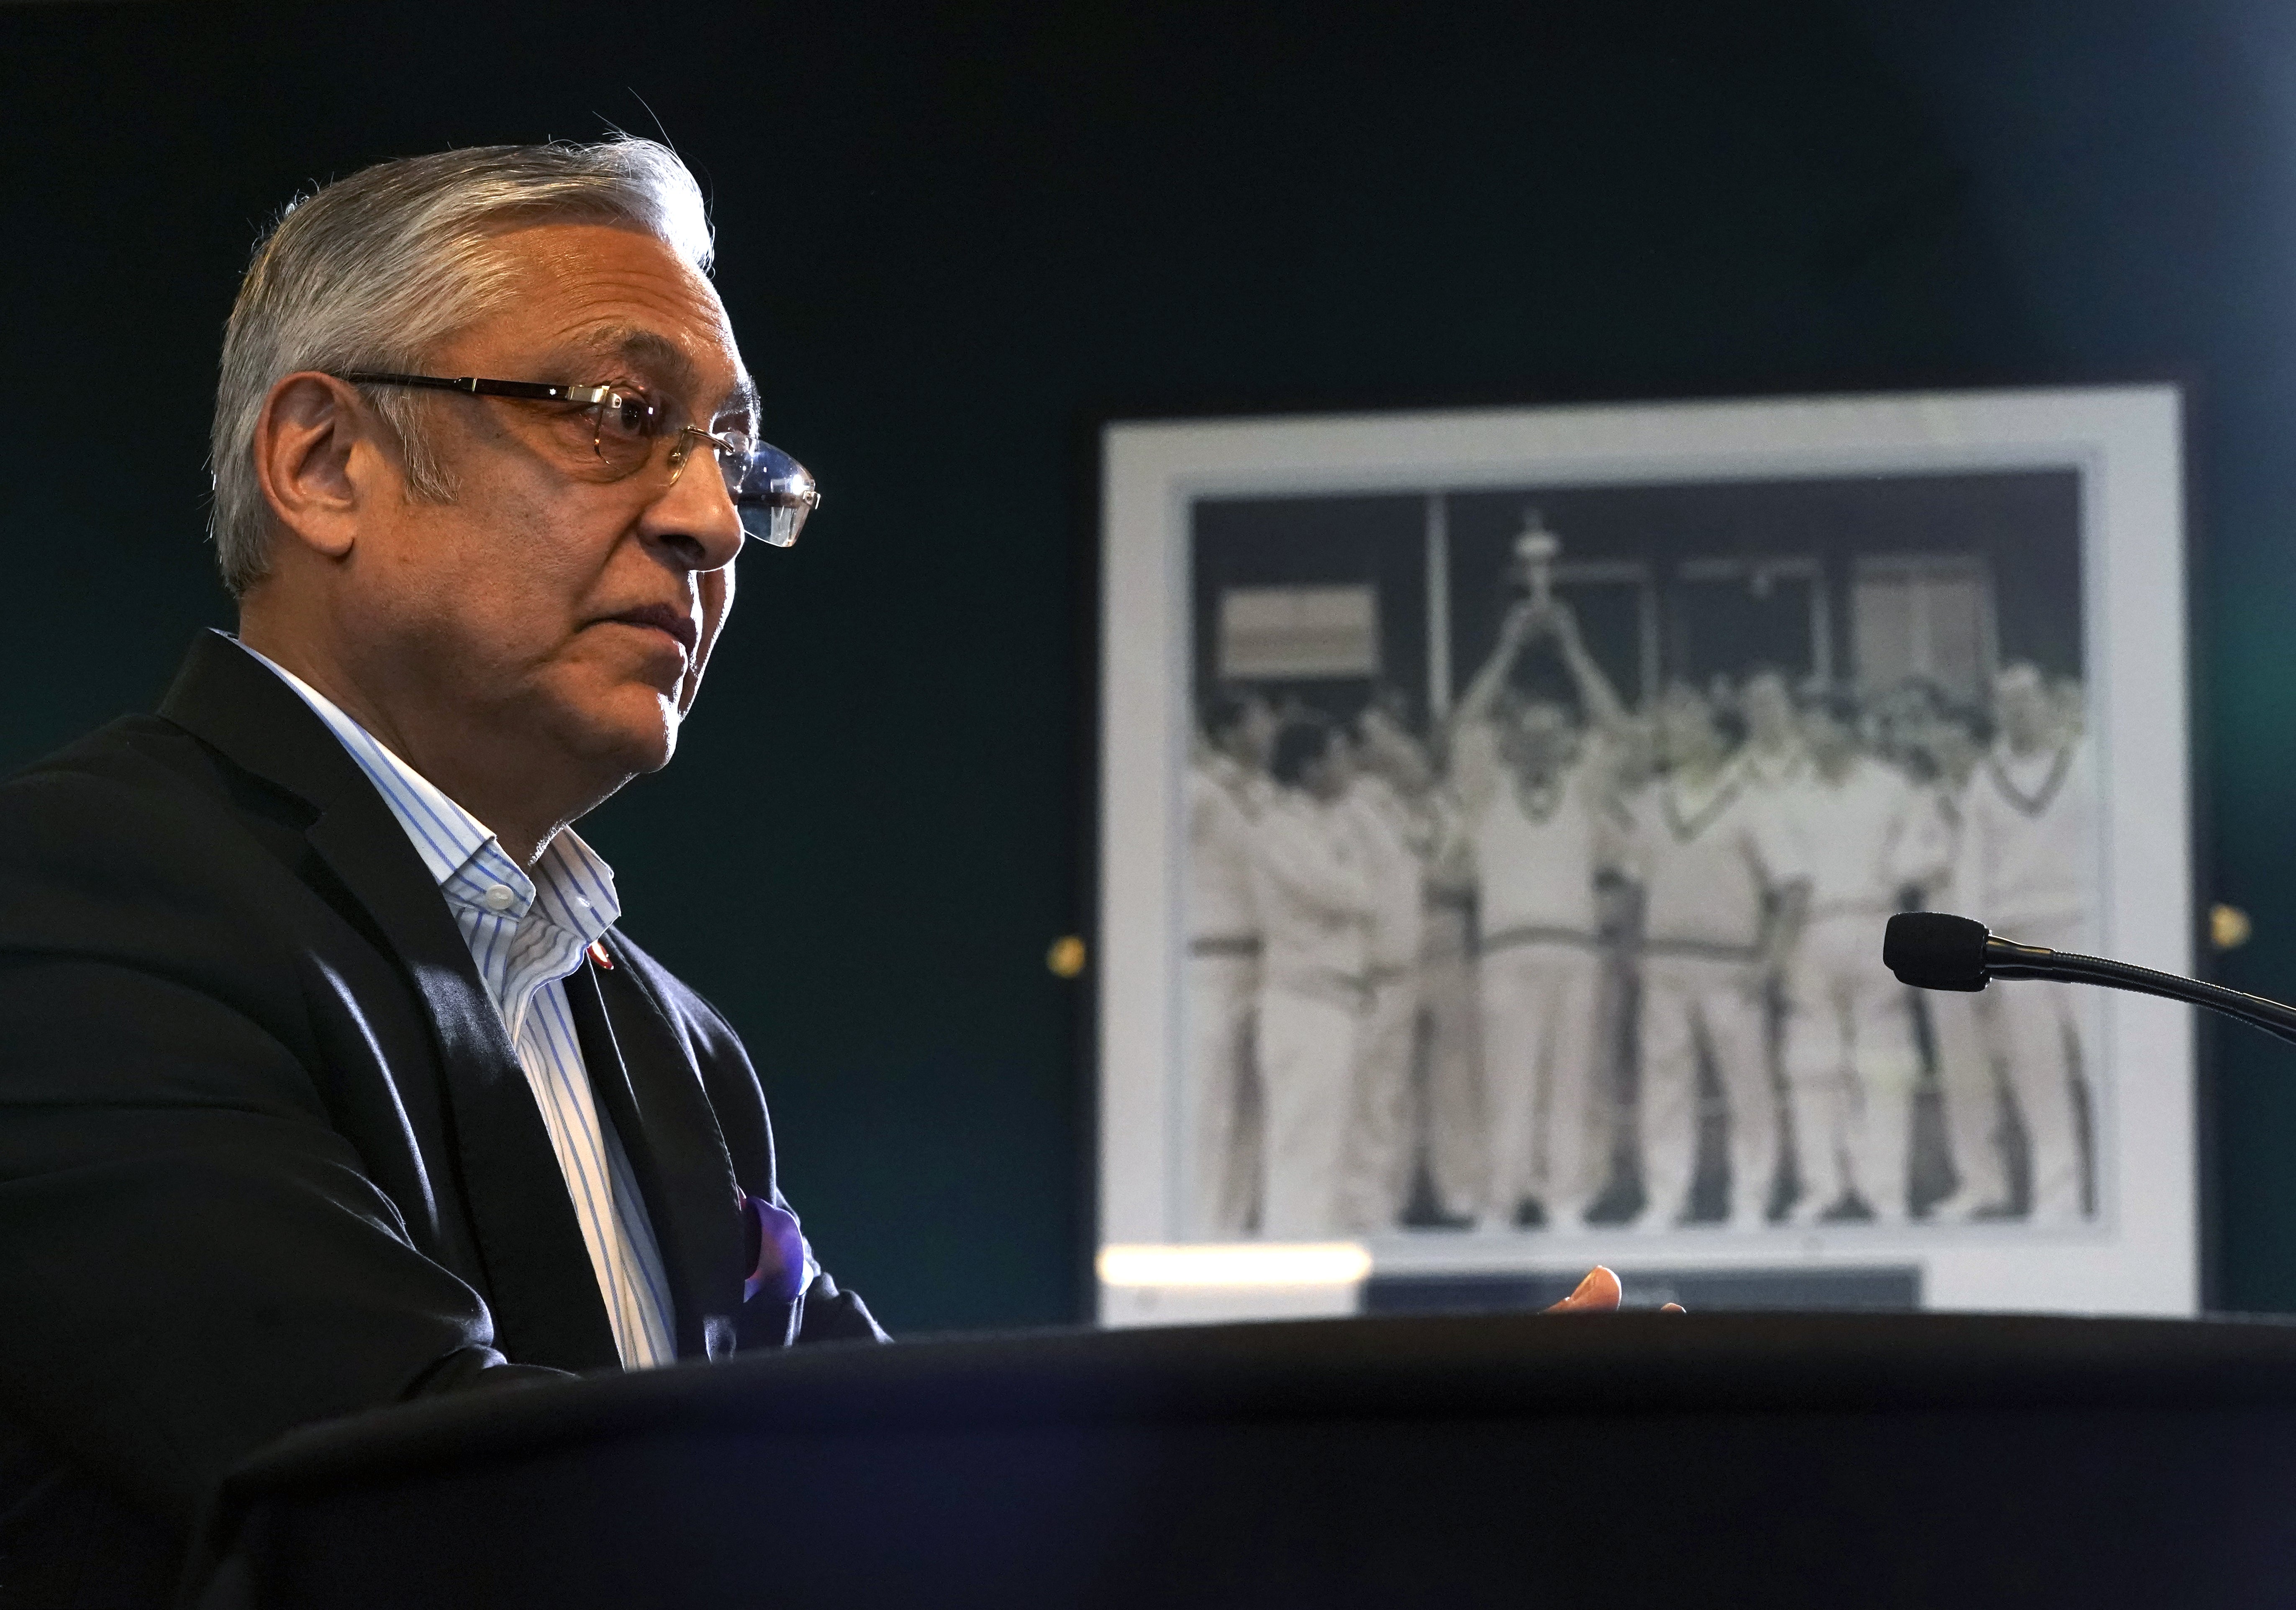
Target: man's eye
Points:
(629, 414)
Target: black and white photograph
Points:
(1536, 842)
(1575, 918)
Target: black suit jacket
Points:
(266, 1153)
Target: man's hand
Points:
(1599, 1293)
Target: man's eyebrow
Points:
(603, 348)
(742, 399)
(655, 357)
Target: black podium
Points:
(1638, 1459)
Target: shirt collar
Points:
(572, 886)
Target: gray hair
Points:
(372, 271)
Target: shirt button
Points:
(499, 898)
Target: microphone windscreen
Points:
(1931, 950)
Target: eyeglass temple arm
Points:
(471, 385)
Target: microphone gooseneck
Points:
(1933, 950)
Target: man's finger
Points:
(1597, 1293)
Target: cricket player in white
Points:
(1543, 823)
(1849, 1059)
(1394, 833)
(1723, 893)
(2026, 870)
(1451, 1113)
(1315, 906)
(1227, 786)
(1954, 741)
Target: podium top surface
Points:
(1447, 1368)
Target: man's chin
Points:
(633, 734)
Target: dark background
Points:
(952, 235)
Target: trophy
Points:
(1534, 553)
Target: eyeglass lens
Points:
(772, 492)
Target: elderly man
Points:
(330, 1081)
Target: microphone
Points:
(1931, 950)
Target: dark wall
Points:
(951, 234)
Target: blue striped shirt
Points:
(526, 935)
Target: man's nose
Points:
(695, 519)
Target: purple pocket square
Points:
(785, 1265)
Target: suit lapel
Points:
(540, 1285)
(646, 1083)
(545, 1293)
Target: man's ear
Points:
(316, 461)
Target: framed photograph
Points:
(1500, 811)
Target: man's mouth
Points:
(662, 618)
